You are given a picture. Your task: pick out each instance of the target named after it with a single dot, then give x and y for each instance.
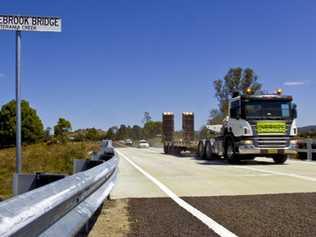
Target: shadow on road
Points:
(243, 162)
(223, 162)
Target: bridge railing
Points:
(63, 207)
(306, 149)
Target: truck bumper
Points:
(252, 150)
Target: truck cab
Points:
(259, 125)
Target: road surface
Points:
(164, 195)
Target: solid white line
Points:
(278, 173)
(217, 228)
(306, 162)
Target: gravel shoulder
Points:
(113, 220)
(142, 217)
(262, 215)
(245, 215)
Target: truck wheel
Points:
(178, 151)
(209, 151)
(280, 159)
(165, 149)
(230, 152)
(170, 149)
(201, 150)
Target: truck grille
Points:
(272, 142)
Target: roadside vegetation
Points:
(53, 150)
(151, 131)
(53, 158)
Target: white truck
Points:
(256, 126)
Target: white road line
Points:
(302, 162)
(278, 173)
(213, 225)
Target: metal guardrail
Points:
(306, 149)
(60, 208)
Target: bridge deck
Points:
(244, 209)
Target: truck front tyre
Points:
(230, 152)
(201, 150)
(165, 149)
(280, 159)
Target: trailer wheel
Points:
(165, 149)
(177, 151)
(230, 152)
(201, 150)
(209, 153)
(280, 159)
(170, 149)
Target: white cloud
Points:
(294, 83)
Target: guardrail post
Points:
(309, 149)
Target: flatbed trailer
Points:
(186, 142)
(177, 147)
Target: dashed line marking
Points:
(213, 225)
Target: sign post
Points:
(18, 24)
(18, 160)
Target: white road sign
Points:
(30, 23)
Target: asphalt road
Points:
(182, 196)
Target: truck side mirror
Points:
(294, 111)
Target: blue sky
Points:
(116, 59)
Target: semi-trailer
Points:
(256, 126)
(186, 142)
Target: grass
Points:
(54, 158)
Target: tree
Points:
(47, 133)
(31, 127)
(216, 117)
(62, 127)
(137, 132)
(236, 80)
(146, 118)
(152, 129)
(110, 134)
(122, 132)
(79, 135)
(204, 133)
(93, 134)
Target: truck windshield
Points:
(271, 109)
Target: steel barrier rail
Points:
(306, 149)
(73, 221)
(60, 208)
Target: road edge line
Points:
(213, 225)
(292, 175)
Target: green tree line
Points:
(33, 130)
(150, 129)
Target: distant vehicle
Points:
(128, 142)
(122, 141)
(143, 144)
(256, 126)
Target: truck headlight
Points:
(247, 142)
